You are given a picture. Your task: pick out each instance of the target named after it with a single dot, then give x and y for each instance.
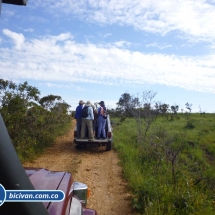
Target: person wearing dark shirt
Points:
(78, 117)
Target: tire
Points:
(109, 146)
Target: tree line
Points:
(128, 105)
(32, 122)
(145, 110)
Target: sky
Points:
(97, 50)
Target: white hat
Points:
(88, 103)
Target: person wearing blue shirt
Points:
(78, 117)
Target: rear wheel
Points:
(109, 146)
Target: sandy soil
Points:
(99, 169)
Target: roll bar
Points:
(17, 2)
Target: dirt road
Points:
(99, 169)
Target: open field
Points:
(172, 170)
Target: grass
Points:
(172, 171)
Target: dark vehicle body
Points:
(16, 2)
(14, 177)
(79, 143)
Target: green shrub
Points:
(189, 125)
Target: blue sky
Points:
(99, 49)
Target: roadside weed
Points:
(172, 171)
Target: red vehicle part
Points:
(14, 177)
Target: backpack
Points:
(104, 112)
(84, 112)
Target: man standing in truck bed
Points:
(78, 117)
(87, 122)
(102, 116)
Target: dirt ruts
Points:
(98, 168)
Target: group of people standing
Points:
(95, 118)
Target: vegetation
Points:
(171, 169)
(32, 122)
(167, 157)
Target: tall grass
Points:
(172, 172)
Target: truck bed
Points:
(107, 141)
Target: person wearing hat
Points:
(88, 122)
(95, 113)
(78, 117)
(102, 112)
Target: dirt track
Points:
(95, 167)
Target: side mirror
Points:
(17, 2)
(81, 192)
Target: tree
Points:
(142, 110)
(172, 145)
(49, 101)
(28, 92)
(189, 106)
(126, 103)
(174, 109)
(15, 101)
(7, 89)
(31, 126)
(61, 107)
(162, 108)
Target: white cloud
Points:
(160, 46)
(193, 18)
(18, 39)
(8, 13)
(122, 43)
(29, 30)
(64, 86)
(107, 35)
(62, 37)
(71, 62)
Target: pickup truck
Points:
(13, 176)
(80, 143)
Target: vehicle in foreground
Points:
(13, 176)
(79, 143)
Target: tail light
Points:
(109, 134)
(88, 193)
(75, 133)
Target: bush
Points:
(189, 125)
